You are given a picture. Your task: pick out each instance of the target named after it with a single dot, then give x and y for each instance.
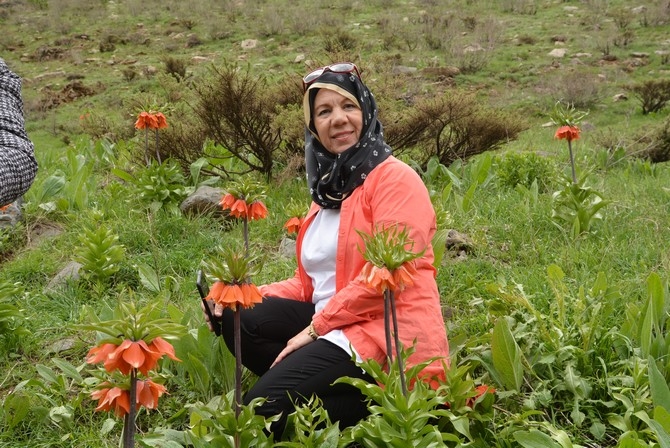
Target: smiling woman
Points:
(311, 330)
(17, 159)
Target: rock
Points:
(204, 201)
(11, 215)
(473, 48)
(620, 97)
(558, 52)
(62, 345)
(458, 242)
(403, 70)
(248, 44)
(69, 272)
(639, 54)
(299, 58)
(200, 59)
(441, 72)
(287, 247)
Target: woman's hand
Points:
(299, 340)
(217, 311)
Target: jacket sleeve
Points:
(286, 289)
(397, 197)
(17, 158)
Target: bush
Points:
(659, 149)
(232, 106)
(653, 94)
(515, 168)
(451, 127)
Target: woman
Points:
(305, 333)
(17, 159)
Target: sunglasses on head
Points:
(342, 67)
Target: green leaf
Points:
(149, 277)
(662, 436)
(68, 369)
(662, 416)
(506, 356)
(660, 393)
(534, 439)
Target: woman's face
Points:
(337, 119)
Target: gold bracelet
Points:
(312, 332)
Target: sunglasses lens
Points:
(345, 67)
(312, 76)
(342, 67)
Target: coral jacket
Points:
(391, 194)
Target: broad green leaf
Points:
(506, 356)
(662, 416)
(534, 439)
(660, 393)
(662, 436)
(149, 277)
(68, 369)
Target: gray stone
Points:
(558, 52)
(287, 248)
(69, 272)
(11, 215)
(204, 201)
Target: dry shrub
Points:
(581, 89)
(520, 6)
(175, 67)
(271, 22)
(453, 126)
(338, 41)
(232, 109)
(100, 125)
(183, 141)
(659, 149)
(653, 94)
(303, 22)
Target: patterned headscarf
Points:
(332, 177)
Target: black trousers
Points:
(308, 371)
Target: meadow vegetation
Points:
(554, 289)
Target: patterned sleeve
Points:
(17, 154)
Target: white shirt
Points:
(319, 250)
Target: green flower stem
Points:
(572, 162)
(246, 237)
(238, 368)
(146, 146)
(158, 156)
(401, 368)
(129, 422)
(387, 326)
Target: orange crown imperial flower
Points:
(145, 120)
(293, 224)
(118, 398)
(568, 133)
(244, 200)
(231, 295)
(232, 271)
(112, 398)
(131, 354)
(148, 393)
(381, 279)
(161, 121)
(389, 256)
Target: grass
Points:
(514, 240)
